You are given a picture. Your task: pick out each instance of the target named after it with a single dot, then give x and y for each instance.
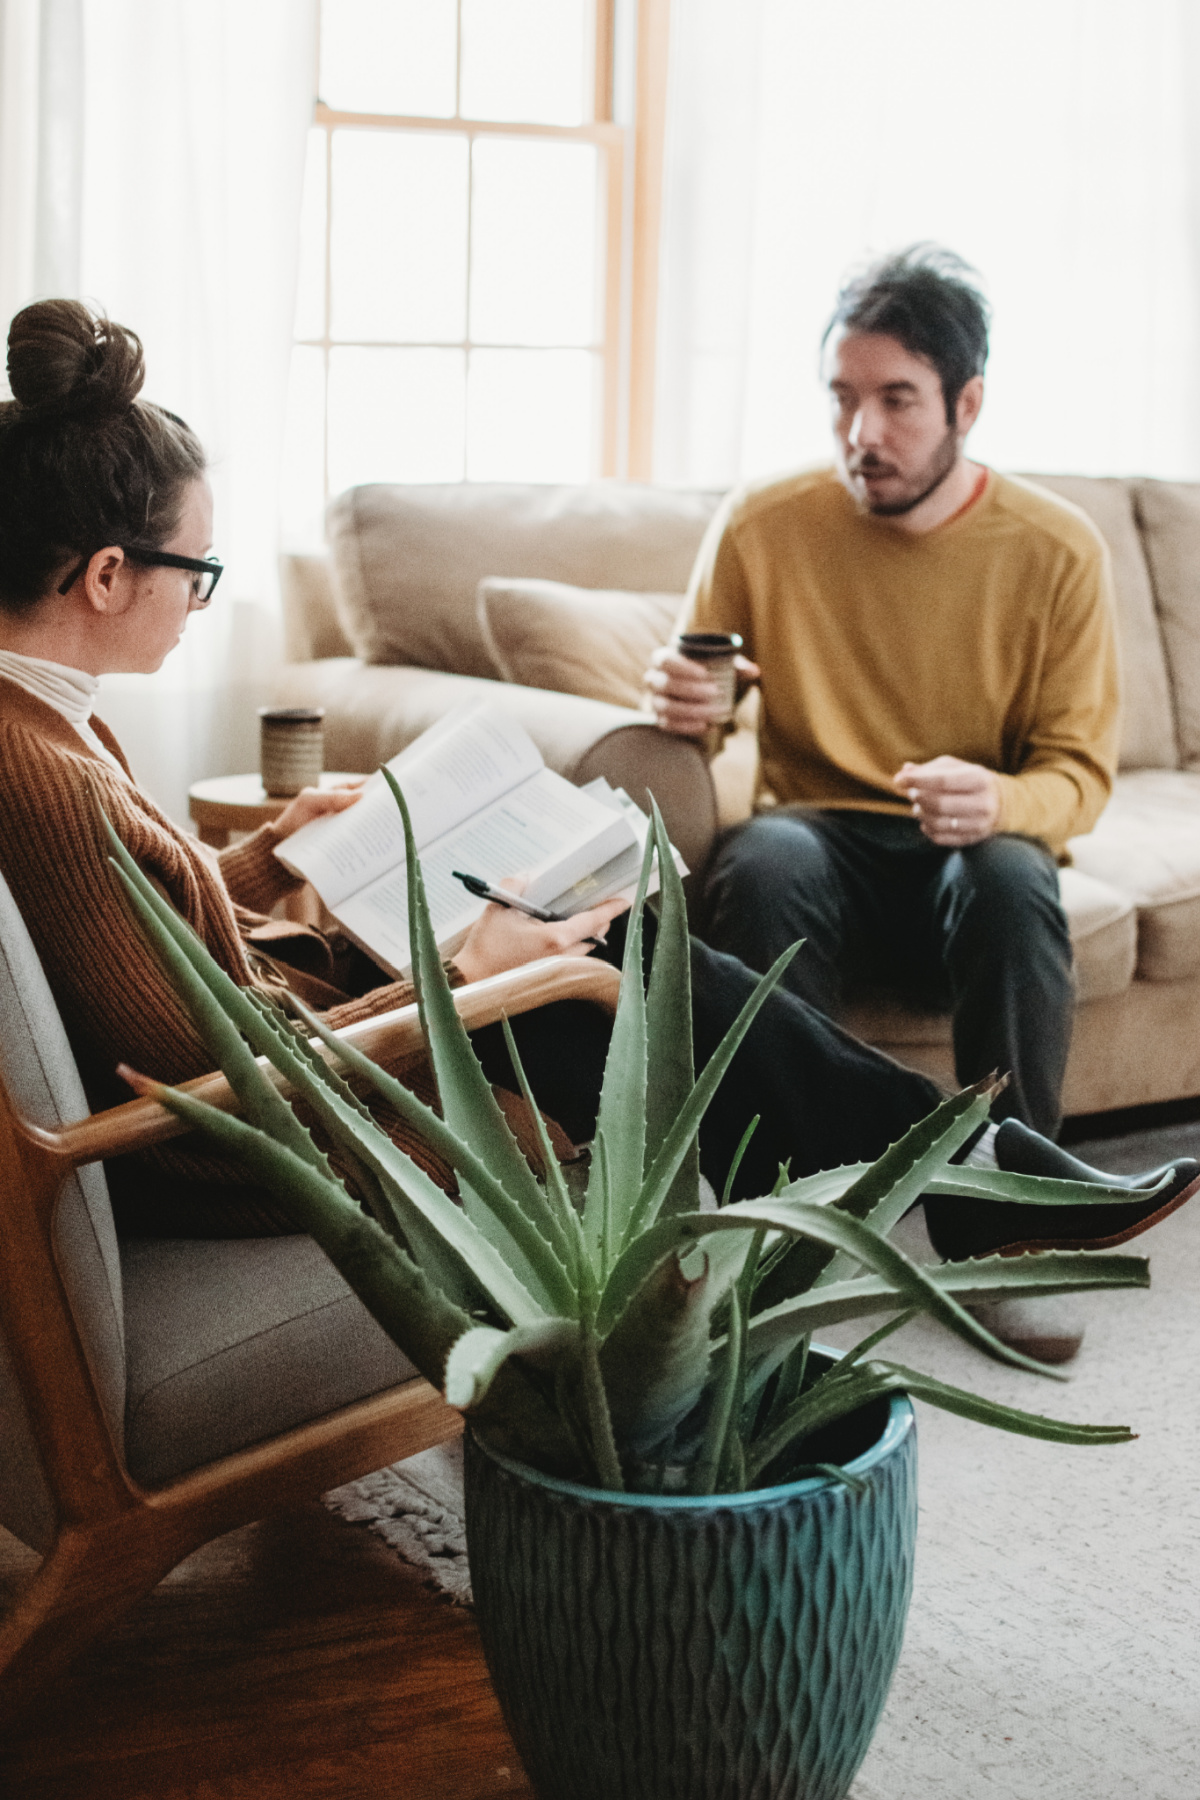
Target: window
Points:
(471, 305)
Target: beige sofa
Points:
(429, 594)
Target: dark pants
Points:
(824, 1097)
(980, 929)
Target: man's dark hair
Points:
(927, 299)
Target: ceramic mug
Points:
(292, 748)
(716, 650)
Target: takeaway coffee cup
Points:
(716, 650)
(291, 749)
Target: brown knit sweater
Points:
(116, 1001)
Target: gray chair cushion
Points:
(39, 1072)
(230, 1342)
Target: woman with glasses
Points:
(105, 551)
(106, 535)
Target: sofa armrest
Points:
(372, 711)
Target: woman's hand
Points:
(502, 938)
(315, 803)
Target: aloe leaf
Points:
(735, 1165)
(482, 1263)
(599, 1419)
(202, 986)
(826, 1225)
(973, 1283)
(220, 1007)
(469, 1107)
(384, 1199)
(555, 1185)
(521, 1242)
(224, 1014)
(621, 1118)
(721, 1419)
(884, 1191)
(834, 1397)
(655, 1363)
(669, 1025)
(687, 1121)
(1036, 1190)
(479, 1355)
(413, 1312)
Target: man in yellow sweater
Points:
(935, 649)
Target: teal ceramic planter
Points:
(665, 1648)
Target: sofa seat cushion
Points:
(1147, 844)
(592, 641)
(230, 1342)
(1103, 925)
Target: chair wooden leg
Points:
(89, 1577)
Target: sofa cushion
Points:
(1103, 925)
(407, 560)
(234, 1341)
(1169, 513)
(1147, 844)
(1148, 738)
(591, 641)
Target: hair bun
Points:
(64, 361)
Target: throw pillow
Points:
(591, 641)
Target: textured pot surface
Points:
(660, 1648)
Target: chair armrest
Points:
(140, 1123)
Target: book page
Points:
(546, 829)
(455, 769)
(617, 879)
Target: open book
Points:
(481, 799)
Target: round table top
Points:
(220, 797)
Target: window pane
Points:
(526, 60)
(533, 242)
(531, 415)
(399, 236)
(395, 415)
(389, 56)
(303, 472)
(310, 280)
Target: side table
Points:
(228, 803)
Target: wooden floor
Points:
(296, 1659)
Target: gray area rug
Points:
(1053, 1647)
(416, 1506)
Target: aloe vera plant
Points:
(627, 1338)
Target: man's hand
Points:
(502, 938)
(683, 695)
(313, 803)
(957, 803)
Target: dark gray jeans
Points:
(980, 930)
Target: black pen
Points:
(482, 890)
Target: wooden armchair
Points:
(156, 1394)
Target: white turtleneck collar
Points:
(71, 693)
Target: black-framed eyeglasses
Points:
(208, 571)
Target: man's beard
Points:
(927, 482)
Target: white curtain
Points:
(1053, 143)
(162, 142)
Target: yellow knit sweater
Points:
(116, 1001)
(990, 639)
